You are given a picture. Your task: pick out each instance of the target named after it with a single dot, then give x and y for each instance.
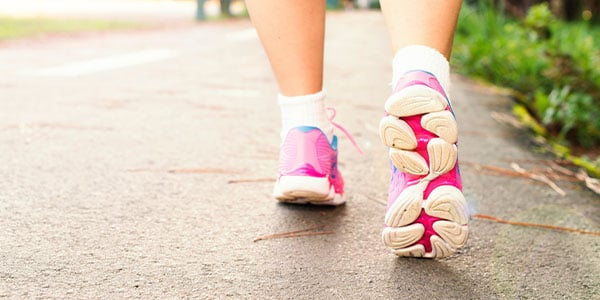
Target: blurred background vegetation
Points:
(548, 54)
(571, 10)
(19, 27)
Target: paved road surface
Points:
(116, 153)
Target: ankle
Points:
(418, 57)
(304, 110)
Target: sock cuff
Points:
(304, 110)
(419, 57)
(300, 100)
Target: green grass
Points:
(552, 66)
(14, 28)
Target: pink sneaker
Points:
(308, 170)
(427, 212)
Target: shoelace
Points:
(342, 129)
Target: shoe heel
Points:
(415, 100)
(303, 189)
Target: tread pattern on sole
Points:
(406, 208)
(447, 202)
(409, 161)
(415, 100)
(396, 133)
(417, 250)
(402, 237)
(453, 233)
(445, 205)
(441, 123)
(442, 156)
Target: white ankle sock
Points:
(305, 110)
(418, 57)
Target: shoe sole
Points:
(443, 215)
(306, 190)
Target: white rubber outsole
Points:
(444, 202)
(306, 190)
(415, 100)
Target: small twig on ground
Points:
(560, 169)
(493, 169)
(554, 175)
(592, 183)
(557, 171)
(296, 233)
(518, 172)
(527, 224)
(250, 180)
(539, 177)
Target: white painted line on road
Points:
(242, 35)
(107, 63)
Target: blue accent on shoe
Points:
(306, 129)
(419, 70)
(332, 170)
(334, 142)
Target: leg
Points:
(429, 23)
(426, 214)
(292, 33)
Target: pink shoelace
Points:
(342, 129)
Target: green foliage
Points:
(539, 17)
(554, 65)
(11, 28)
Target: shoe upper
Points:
(306, 151)
(422, 78)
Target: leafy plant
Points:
(554, 66)
(11, 27)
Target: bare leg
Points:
(292, 33)
(429, 23)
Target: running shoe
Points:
(308, 170)
(426, 214)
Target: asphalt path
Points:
(140, 164)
